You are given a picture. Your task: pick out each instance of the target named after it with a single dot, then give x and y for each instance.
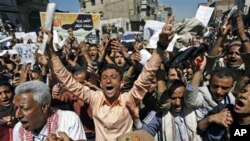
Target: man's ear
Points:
(122, 84)
(45, 107)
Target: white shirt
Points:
(69, 122)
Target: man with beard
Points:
(173, 120)
(221, 123)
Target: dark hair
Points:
(172, 85)
(78, 69)
(222, 72)
(178, 71)
(111, 66)
(6, 83)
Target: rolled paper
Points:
(50, 12)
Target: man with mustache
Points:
(173, 120)
(205, 98)
(110, 113)
(221, 123)
(236, 52)
(37, 118)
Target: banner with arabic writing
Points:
(83, 24)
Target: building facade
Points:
(134, 10)
(9, 11)
(162, 12)
(24, 13)
(29, 12)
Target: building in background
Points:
(129, 13)
(23, 13)
(29, 12)
(224, 6)
(9, 11)
(163, 11)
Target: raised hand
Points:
(200, 62)
(135, 58)
(224, 28)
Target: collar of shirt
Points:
(116, 102)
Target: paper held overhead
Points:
(6, 39)
(204, 14)
(232, 11)
(50, 12)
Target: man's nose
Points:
(178, 102)
(234, 54)
(18, 114)
(4, 95)
(109, 80)
(219, 91)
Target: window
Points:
(101, 13)
(148, 12)
(83, 4)
(138, 9)
(92, 2)
(101, 1)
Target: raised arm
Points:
(223, 31)
(242, 35)
(193, 98)
(65, 77)
(143, 83)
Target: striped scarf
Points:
(52, 124)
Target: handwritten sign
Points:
(26, 52)
(204, 14)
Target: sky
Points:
(181, 8)
(67, 5)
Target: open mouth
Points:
(239, 103)
(24, 123)
(119, 63)
(110, 89)
(6, 101)
(233, 60)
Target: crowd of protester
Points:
(87, 91)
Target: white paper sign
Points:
(234, 9)
(19, 35)
(170, 47)
(151, 27)
(2, 52)
(204, 14)
(12, 51)
(145, 55)
(62, 43)
(6, 39)
(56, 39)
(30, 36)
(26, 52)
(153, 40)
